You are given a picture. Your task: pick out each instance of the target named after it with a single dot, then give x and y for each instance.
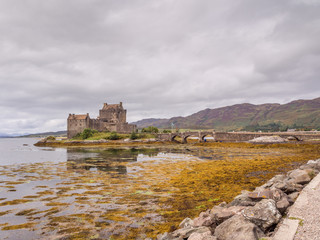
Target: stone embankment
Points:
(251, 215)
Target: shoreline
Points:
(203, 146)
(252, 215)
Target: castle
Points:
(112, 117)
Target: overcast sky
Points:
(161, 58)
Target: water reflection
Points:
(107, 160)
(115, 160)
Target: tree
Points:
(88, 132)
(150, 129)
(134, 136)
(113, 136)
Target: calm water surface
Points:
(88, 193)
(48, 192)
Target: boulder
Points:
(242, 200)
(293, 196)
(258, 195)
(275, 194)
(239, 228)
(300, 176)
(202, 236)
(187, 222)
(291, 186)
(264, 214)
(282, 205)
(166, 236)
(221, 214)
(204, 219)
(186, 232)
(280, 185)
(311, 164)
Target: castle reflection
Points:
(108, 160)
(114, 160)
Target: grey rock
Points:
(239, 228)
(221, 214)
(275, 194)
(204, 219)
(242, 200)
(315, 164)
(280, 185)
(186, 232)
(187, 222)
(300, 176)
(292, 186)
(258, 195)
(223, 204)
(202, 236)
(264, 214)
(166, 236)
(293, 196)
(282, 205)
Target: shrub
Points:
(51, 138)
(134, 136)
(166, 131)
(88, 132)
(113, 136)
(150, 129)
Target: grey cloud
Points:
(161, 58)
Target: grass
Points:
(299, 219)
(106, 135)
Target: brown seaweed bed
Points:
(134, 199)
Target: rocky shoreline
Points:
(251, 215)
(102, 142)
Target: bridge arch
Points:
(185, 137)
(203, 135)
(173, 137)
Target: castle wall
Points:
(76, 126)
(113, 115)
(111, 118)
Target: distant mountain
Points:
(45, 134)
(304, 113)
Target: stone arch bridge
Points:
(238, 136)
(184, 135)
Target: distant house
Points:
(112, 117)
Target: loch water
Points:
(116, 193)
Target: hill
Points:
(46, 134)
(296, 114)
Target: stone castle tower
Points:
(112, 117)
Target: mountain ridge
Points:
(239, 116)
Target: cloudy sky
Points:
(161, 58)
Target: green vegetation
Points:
(299, 114)
(300, 220)
(114, 136)
(51, 138)
(88, 132)
(274, 127)
(150, 129)
(91, 134)
(134, 136)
